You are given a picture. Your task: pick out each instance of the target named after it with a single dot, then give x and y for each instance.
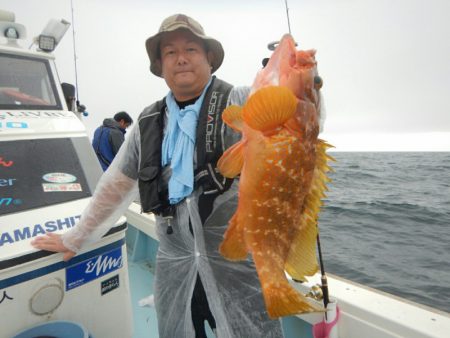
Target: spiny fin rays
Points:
(232, 161)
(269, 108)
(302, 260)
(232, 116)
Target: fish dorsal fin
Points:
(302, 260)
(231, 162)
(232, 116)
(269, 108)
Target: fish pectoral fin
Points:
(269, 108)
(231, 162)
(232, 116)
(233, 245)
(283, 300)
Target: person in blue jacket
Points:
(109, 137)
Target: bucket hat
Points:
(181, 21)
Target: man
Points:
(108, 138)
(171, 158)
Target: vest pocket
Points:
(148, 188)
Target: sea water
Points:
(386, 223)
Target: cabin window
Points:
(27, 83)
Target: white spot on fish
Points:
(280, 165)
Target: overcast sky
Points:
(385, 63)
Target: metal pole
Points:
(75, 55)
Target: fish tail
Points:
(233, 245)
(283, 300)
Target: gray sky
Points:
(385, 63)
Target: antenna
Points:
(74, 54)
(287, 15)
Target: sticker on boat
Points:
(59, 178)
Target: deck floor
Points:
(141, 260)
(144, 318)
(141, 285)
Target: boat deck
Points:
(141, 285)
(141, 262)
(145, 324)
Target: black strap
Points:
(209, 138)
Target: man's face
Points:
(185, 64)
(123, 124)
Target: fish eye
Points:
(318, 82)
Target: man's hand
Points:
(52, 242)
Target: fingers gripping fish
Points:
(282, 166)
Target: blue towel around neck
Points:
(179, 144)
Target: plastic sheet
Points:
(232, 288)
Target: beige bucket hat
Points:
(181, 21)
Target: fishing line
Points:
(274, 44)
(287, 15)
(74, 54)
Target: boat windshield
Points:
(27, 83)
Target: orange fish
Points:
(282, 166)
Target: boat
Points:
(48, 172)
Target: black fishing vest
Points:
(209, 148)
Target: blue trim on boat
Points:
(9, 263)
(58, 266)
